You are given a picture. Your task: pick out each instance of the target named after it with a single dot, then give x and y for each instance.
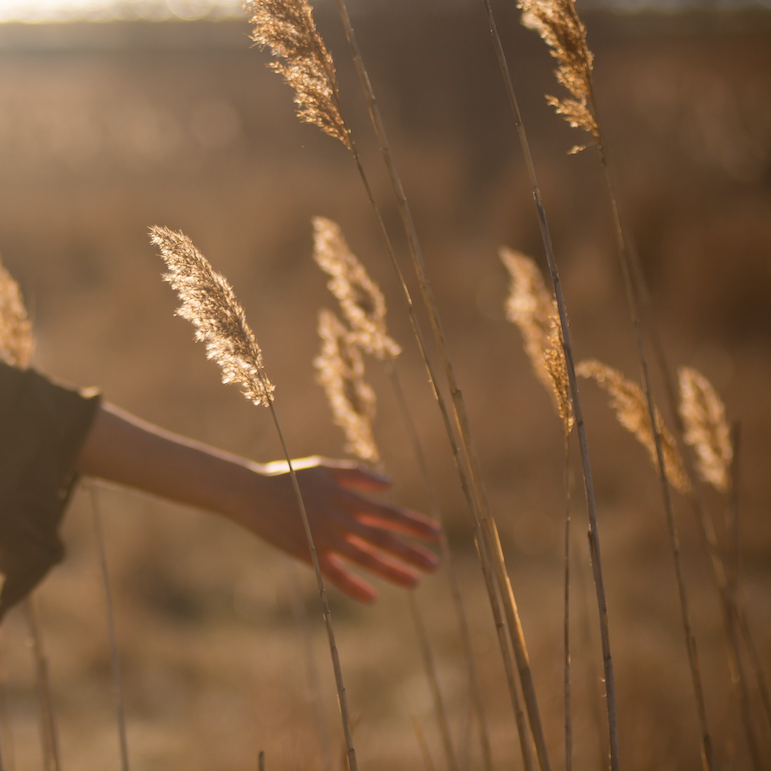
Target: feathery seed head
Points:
(631, 407)
(209, 303)
(706, 428)
(360, 298)
(340, 370)
(558, 23)
(16, 340)
(533, 309)
(288, 29)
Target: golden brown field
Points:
(108, 129)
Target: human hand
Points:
(348, 528)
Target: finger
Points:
(398, 519)
(355, 477)
(345, 580)
(380, 564)
(398, 547)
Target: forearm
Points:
(123, 449)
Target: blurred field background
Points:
(107, 129)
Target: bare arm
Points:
(347, 527)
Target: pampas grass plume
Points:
(209, 303)
(631, 407)
(16, 340)
(360, 298)
(557, 22)
(533, 309)
(340, 370)
(706, 428)
(288, 29)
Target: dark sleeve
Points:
(42, 428)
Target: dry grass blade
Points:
(360, 298)
(557, 22)
(533, 309)
(16, 340)
(209, 303)
(340, 370)
(288, 29)
(706, 428)
(631, 407)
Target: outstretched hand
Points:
(348, 528)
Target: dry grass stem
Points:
(17, 342)
(220, 323)
(557, 22)
(631, 407)
(288, 29)
(706, 428)
(210, 304)
(340, 370)
(534, 310)
(119, 701)
(360, 298)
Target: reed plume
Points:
(220, 323)
(210, 304)
(534, 310)
(706, 428)
(17, 343)
(360, 298)
(631, 407)
(288, 29)
(557, 22)
(340, 370)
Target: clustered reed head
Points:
(360, 298)
(209, 303)
(340, 370)
(631, 407)
(557, 22)
(533, 309)
(288, 29)
(16, 340)
(706, 428)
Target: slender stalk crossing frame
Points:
(119, 702)
(479, 499)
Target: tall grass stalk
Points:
(119, 701)
(428, 763)
(594, 538)
(311, 670)
(726, 586)
(456, 397)
(294, 44)
(475, 689)
(48, 734)
(433, 681)
(210, 304)
(566, 620)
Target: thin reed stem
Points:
(116, 678)
(477, 486)
(471, 503)
(690, 639)
(566, 621)
(433, 681)
(311, 670)
(728, 595)
(447, 558)
(341, 694)
(5, 763)
(570, 363)
(424, 750)
(48, 734)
